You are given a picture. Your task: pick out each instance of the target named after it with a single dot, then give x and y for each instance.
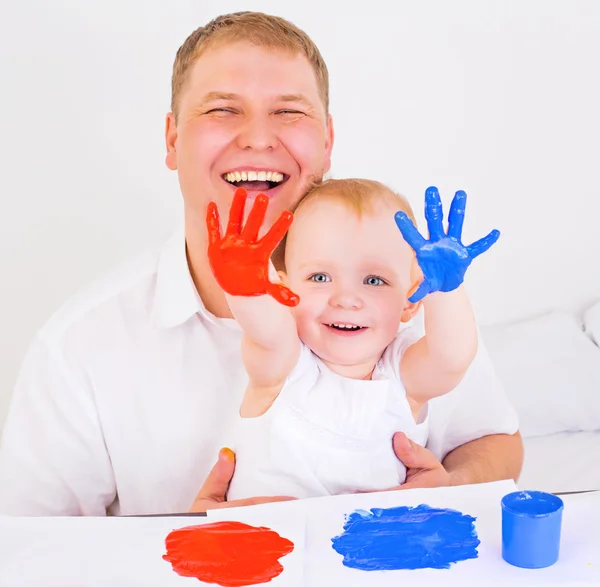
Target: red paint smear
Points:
(240, 260)
(229, 554)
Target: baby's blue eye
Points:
(320, 278)
(372, 280)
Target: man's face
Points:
(248, 117)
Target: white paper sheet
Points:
(116, 552)
(123, 552)
(579, 547)
(579, 562)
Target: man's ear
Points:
(170, 140)
(328, 145)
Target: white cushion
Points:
(551, 372)
(591, 322)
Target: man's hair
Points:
(362, 196)
(257, 28)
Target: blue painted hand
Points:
(443, 258)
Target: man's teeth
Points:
(345, 326)
(234, 176)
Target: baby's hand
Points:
(239, 261)
(443, 258)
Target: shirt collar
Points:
(176, 298)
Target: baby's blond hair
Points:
(359, 195)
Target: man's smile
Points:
(255, 179)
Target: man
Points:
(129, 392)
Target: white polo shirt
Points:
(129, 391)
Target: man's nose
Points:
(257, 132)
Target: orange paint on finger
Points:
(230, 554)
(228, 454)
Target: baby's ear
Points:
(282, 277)
(410, 309)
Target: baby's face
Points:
(352, 276)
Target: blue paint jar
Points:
(531, 525)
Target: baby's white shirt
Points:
(326, 434)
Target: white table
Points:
(123, 552)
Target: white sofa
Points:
(550, 366)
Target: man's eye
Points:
(221, 111)
(373, 280)
(297, 112)
(320, 278)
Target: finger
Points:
(456, 217)
(277, 231)
(413, 455)
(483, 244)
(216, 484)
(434, 213)
(422, 482)
(421, 292)
(236, 212)
(249, 501)
(283, 294)
(409, 231)
(255, 218)
(213, 223)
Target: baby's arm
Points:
(436, 363)
(240, 262)
(270, 348)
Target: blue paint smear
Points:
(406, 538)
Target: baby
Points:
(333, 368)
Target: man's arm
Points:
(53, 458)
(490, 458)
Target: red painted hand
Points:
(239, 260)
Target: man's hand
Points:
(212, 494)
(489, 458)
(239, 260)
(422, 468)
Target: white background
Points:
(499, 98)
